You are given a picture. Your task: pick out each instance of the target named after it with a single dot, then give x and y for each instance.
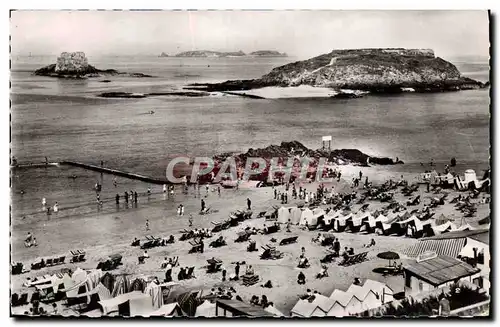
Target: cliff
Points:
(207, 53)
(268, 53)
(373, 70)
(75, 65)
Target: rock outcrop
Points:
(372, 70)
(75, 65)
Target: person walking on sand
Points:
(218, 189)
(360, 175)
(56, 207)
(249, 204)
(44, 202)
(202, 205)
(147, 225)
(237, 270)
(164, 188)
(125, 196)
(190, 220)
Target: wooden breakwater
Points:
(116, 172)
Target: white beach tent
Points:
(340, 221)
(358, 298)
(308, 216)
(318, 212)
(138, 304)
(169, 310)
(272, 310)
(283, 215)
(206, 309)
(295, 214)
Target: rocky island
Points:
(389, 70)
(75, 65)
(207, 53)
(268, 53)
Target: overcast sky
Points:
(299, 33)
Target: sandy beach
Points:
(112, 232)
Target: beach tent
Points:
(169, 310)
(465, 227)
(206, 309)
(443, 228)
(318, 307)
(358, 298)
(295, 214)
(340, 222)
(308, 216)
(283, 215)
(159, 293)
(129, 304)
(272, 310)
(121, 286)
(98, 293)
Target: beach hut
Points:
(283, 215)
(295, 214)
(308, 217)
(130, 304)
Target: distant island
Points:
(377, 70)
(208, 53)
(219, 54)
(75, 65)
(163, 54)
(268, 53)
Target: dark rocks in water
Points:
(105, 81)
(373, 70)
(121, 95)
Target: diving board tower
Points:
(326, 140)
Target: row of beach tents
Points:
(400, 223)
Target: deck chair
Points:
(289, 240)
(242, 237)
(81, 257)
(190, 272)
(55, 261)
(23, 299)
(62, 259)
(48, 262)
(74, 258)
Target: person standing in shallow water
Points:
(249, 204)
